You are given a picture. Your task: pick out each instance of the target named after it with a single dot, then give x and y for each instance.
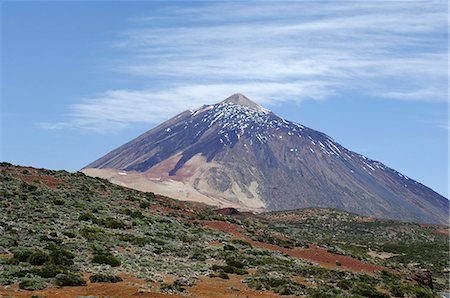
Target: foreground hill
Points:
(66, 234)
(238, 154)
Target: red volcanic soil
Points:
(314, 253)
(47, 180)
(135, 287)
(130, 287)
(438, 229)
(217, 287)
(228, 211)
(34, 176)
(445, 231)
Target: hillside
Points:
(237, 154)
(66, 234)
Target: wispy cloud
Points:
(114, 110)
(272, 52)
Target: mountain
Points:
(238, 154)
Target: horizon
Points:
(73, 91)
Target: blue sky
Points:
(81, 78)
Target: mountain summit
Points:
(240, 99)
(237, 154)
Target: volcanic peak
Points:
(242, 100)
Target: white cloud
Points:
(113, 110)
(272, 52)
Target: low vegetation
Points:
(61, 229)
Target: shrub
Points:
(69, 234)
(105, 258)
(280, 284)
(198, 255)
(91, 233)
(22, 255)
(223, 275)
(87, 217)
(105, 278)
(229, 247)
(186, 281)
(61, 257)
(423, 292)
(45, 238)
(171, 288)
(137, 214)
(59, 202)
(69, 279)
(12, 261)
(367, 290)
(229, 269)
(289, 289)
(399, 290)
(144, 205)
(141, 241)
(232, 262)
(38, 258)
(345, 284)
(48, 271)
(32, 284)
(111, 223)
(241, 242)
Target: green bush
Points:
(12, 261)
(38, 258)
(32, 284)
(228, 269)
(345, 284)
(229, 247)
(368, 290)
(171, 288)
(111, 223)
(198, 254)
(144, 205)
(399, 290)
(91, 233)
(141, 241)
(22, 255)
(233, 262)
(105, 278)
(69, 234)
(423, 292)
(290, 289)
(87, 217)
(61, 257)
(59, 202)
(137, 214)
(241, 242)
(47, 271)
(223, 275)
(69, 279)
(105, 258)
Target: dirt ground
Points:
(314, 254)
(232, 288)
(130, 287)
(133, 287)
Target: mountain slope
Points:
(67, 235)
(237, 153)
